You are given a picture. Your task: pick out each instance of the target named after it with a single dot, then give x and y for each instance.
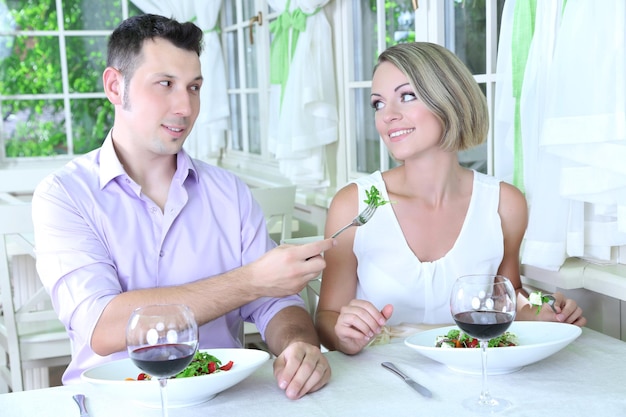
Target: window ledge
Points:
(263, 178)
(578, 273)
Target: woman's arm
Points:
(513, 211)
(339, 278)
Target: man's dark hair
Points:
(126, 42)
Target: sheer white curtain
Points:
(573, 122)
(208, 136)
(504, 108)
(304, 116)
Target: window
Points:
(467, 27)
(51, 62)
(246, 44)
(52, 54)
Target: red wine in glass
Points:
(483, 306)
(483, 324)
(162, 340)
(163, 360)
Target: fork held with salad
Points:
(373, 201)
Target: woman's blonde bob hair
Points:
(443, 82)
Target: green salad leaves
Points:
(202, 364)
(457, 339)
(374, 197)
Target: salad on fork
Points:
(538, 299)
(373, 200)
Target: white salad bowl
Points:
(181, 392)
(537, 340)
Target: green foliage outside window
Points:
(31, 64)
(399, 21)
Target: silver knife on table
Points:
(80, 400)
(417, 387)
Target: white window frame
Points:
(256, 169)
(429, 26)
(65, 95)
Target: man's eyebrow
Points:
(166, 75)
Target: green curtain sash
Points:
(523, 31)
(286, 29)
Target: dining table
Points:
(585, 378)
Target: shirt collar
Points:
(185, 167)
(111, 167)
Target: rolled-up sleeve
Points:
(72, 263)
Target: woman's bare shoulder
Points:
(347, 193)
(513, 204)
(512, 194)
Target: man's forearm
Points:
(208, 299)
(291, 324)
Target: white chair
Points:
(32, 338)
(277, 204)
(311, 293)
(17, 185)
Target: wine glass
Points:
(162, 340)
(483, 306)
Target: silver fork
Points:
(551, 301)
(359, 220)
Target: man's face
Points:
(162, 100)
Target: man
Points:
(139, 222)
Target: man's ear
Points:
(113, 81)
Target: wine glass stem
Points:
(485, 397)
(163, 385)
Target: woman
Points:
(444, 220)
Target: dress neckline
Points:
(398, 229)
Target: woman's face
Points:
(403, 121)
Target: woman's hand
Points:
(358, 323)
(568, 311)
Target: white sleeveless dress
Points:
(390, 273)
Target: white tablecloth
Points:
(587, 378)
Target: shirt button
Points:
(161, 254)
(153, 210)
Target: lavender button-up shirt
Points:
(97, 236)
